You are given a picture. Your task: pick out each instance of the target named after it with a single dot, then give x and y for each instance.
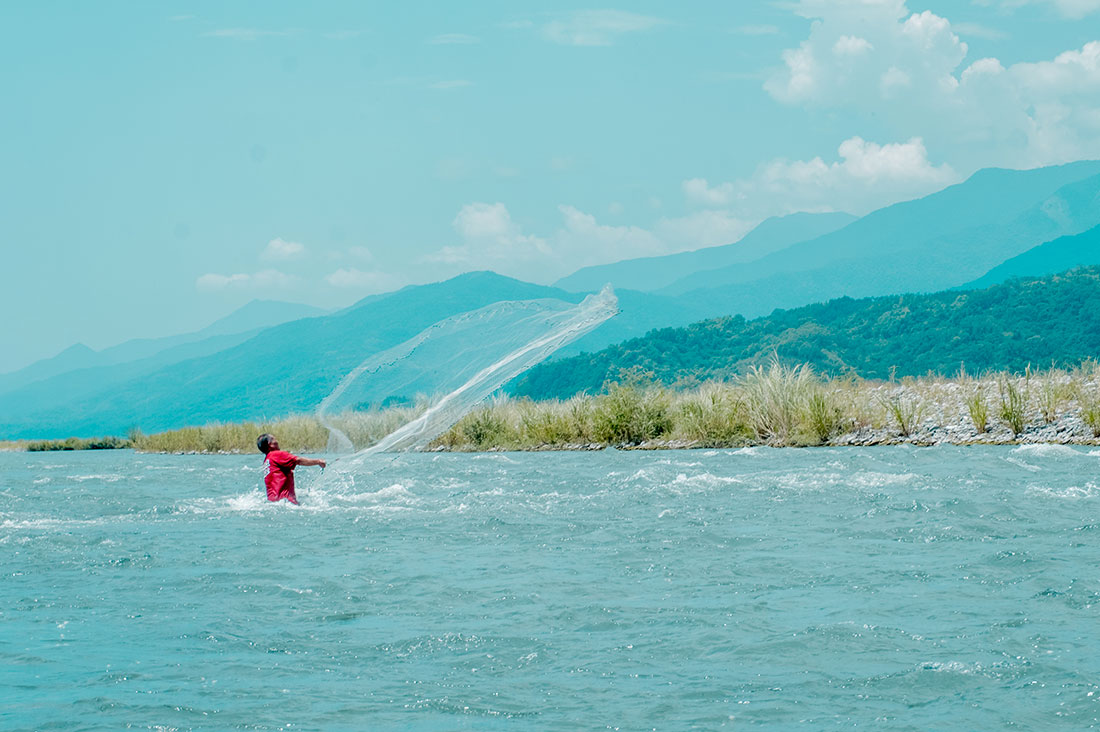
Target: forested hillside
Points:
(1008, 326)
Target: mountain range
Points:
(1020, 322)
(995, 225)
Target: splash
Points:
(466, 357)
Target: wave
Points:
(1047, 450)
(1073, 492)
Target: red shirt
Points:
(280, 476)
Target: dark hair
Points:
(264, 442)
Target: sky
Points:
(164, 163)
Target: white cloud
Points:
(908, 72)
(491, 239)
(700, 192)
(597, 27)
(1075, 9)
(865, 176)
(264, 279)
(584, 239)
(489, 231)
(709, 228)
(361, 253)
(280, 249)
(450, 39)
(851, 46)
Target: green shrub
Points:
(778, 398)
(713, 417)
(78, 443)
(1090, 409)
(1054, 391)
(1014, 399)
(905, 410)
(823, 417)
(483, 429)
(629, 415)
(977, 408)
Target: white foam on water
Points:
(395, 492)
(49, 523)
(295, 590)
(1022, 464)
(251, 501)
(245, 502)
(104, 477)
(40, 481)
(703, 480)
(872, 479)
(952, 667)
(1046, 450)
(495, 457)
(1073, 492)
(755, 450)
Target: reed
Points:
(778, 399)
(906, 411)
(1014, 401)
(714, 415)
(773, 404)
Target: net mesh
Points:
(464, 358)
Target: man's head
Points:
(267, 442)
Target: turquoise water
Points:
(880, 588)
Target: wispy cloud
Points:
(1073, 9)
(245, 34)
(597, 27)
(451, 39)
(279, 248)
(264, 279)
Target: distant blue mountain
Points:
(647, 274)
(1053, 319)
(285, 369)
(1059, 255)
(248, 318)
(933, 243)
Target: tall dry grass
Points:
(773, 404)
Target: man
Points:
(280, 477)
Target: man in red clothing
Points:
(280, 476)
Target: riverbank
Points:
(776, 405)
